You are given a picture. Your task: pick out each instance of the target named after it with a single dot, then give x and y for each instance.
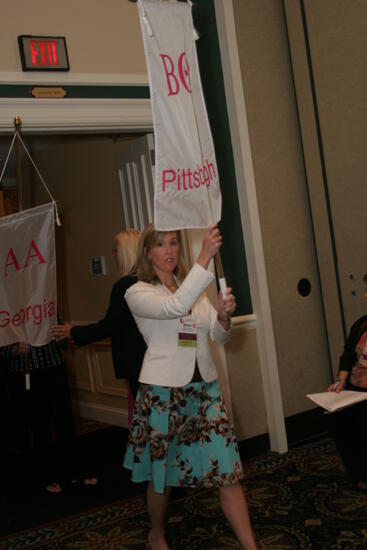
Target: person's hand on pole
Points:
(211, 243)
(226, 307)
(61, 332)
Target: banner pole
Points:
(18, 151)
(19, 182)
(218, 258)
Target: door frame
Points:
(246, 186)
(76, 115)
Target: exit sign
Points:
(43, 53)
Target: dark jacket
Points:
(39, 357)
(128, 346)
(349, 357)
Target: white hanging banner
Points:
(187, 192)
(28, 299)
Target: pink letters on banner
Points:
(186, 191)
(32, 313)
(185, 179)
(183, 67)
(12, 261)
(28, 297)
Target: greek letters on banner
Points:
(186, 170)
(27, 276)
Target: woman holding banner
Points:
(180, 434)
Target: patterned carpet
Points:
(300, 500)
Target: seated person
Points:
(348, 427)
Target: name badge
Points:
(187, 332)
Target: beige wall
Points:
(82, 175)
(101, 37)
(245, 383)
(283, 202)
(336, 32)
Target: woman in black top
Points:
(349, 426)
(128, 346)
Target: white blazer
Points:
(157, 312)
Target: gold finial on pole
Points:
(18, 129)
(18, 123)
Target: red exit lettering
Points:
(43, 52)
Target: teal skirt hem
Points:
(182, 437)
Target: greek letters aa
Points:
(13, 263)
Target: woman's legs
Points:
(234, 506)
(69, 460)
(348, 428)
(157, 506)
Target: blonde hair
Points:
(148, 240)
(126, 244)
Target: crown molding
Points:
(76, 115)
(35, 78)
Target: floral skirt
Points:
(182, 437)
